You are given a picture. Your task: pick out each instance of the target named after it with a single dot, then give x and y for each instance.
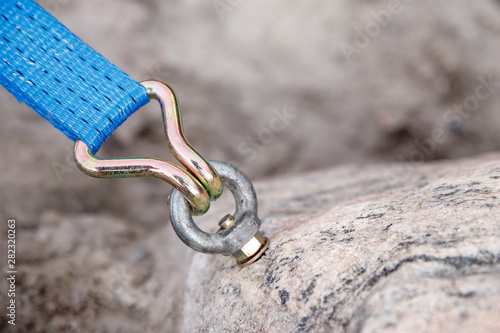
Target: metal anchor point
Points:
(251, 251)
(238, 236)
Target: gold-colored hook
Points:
(199, 185)
(97, 167)
(178, 144)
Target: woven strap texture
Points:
(63, 79)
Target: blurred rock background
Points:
(274, 87)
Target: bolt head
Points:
(252, 250)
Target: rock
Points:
(354, 252)
(354, 249)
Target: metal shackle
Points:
(240, 237)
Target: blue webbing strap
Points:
(63, 79)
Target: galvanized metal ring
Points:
(226, 241)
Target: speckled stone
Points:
(375, 248)
(419, 255)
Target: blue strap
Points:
(63, 79)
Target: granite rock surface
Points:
(354, 249)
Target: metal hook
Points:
(177, 142)
(198, 187)
(94, 166)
